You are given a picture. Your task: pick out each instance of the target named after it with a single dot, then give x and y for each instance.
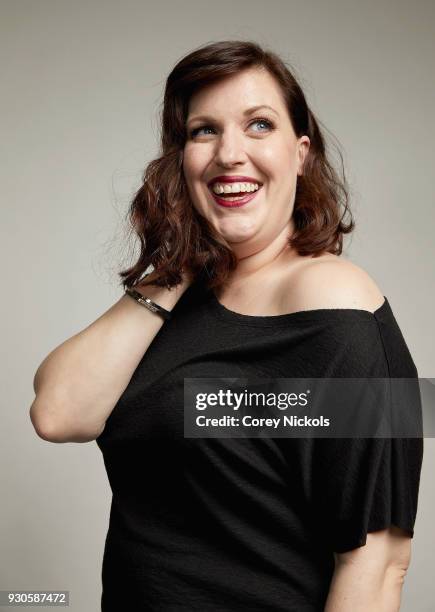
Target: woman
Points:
(254, 284)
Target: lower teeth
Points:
(234, 198)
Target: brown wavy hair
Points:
(173, 236)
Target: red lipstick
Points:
(234, 203)
(234, 179)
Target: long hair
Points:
(173, 236)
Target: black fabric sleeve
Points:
(361, 485)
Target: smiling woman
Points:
(247, 111)
(274, 152)
(242, 219)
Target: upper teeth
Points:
(234, 187)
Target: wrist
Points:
(167, 298)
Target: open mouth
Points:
(230, 199)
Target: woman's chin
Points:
(238, 232)
(235, 239)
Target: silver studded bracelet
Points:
(145, 301)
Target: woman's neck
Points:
(265, 260)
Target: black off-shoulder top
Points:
(219, 525)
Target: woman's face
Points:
(226, 138)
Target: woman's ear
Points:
(303, 148)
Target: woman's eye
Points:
(198, 130)
(265, 122)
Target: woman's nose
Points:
(230, 149)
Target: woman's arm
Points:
(79, 383)
(370, 578)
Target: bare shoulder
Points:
(330, 281)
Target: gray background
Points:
(81, 87)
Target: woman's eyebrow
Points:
(248, 111)
(254, 109)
